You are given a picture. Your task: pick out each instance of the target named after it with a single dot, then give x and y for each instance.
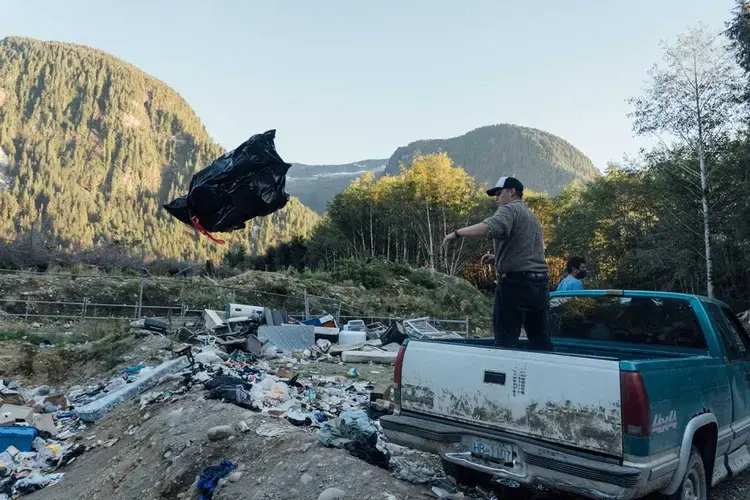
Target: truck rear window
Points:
(636, 320)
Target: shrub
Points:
(423, 278)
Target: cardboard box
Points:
(60, 400)
(45, 423)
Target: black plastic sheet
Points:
(244, 183)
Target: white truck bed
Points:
(566, 400)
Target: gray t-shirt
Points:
(517, 237)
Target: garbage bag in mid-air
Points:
(247, 182)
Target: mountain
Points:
(90, 148)
(542, 161)
(315, 185)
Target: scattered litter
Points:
(272, 430)
(210, 477)
(98, 408)
(355, 432)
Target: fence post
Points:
(467, 327)
(139, 309)
(307, 306)
(28, 306)
(83, 308)
(338, 313)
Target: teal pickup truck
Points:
(645, 392)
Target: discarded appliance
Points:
(155, 325)
(243, 310)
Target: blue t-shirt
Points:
(570, 283)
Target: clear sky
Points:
(344, 80)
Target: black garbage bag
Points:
(246, 182)
(226, 380)
(394, 333)
(234, 393)
(367, 450)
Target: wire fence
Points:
(32, 296)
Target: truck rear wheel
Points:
(694, 485)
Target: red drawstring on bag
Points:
(197, 225)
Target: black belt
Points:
(525, 274)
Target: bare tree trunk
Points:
(388, 246)
(446, 267)
(372, 236)
(429, 231)
(706, 222)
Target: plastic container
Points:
(237, 310)
(20, 437)
(355, 325)
(347, 337)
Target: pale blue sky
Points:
(349, 80)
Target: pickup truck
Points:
(645, 392)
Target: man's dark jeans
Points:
(522, 299)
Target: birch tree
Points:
(693, 98)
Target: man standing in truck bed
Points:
(522, 294)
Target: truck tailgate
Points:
(568, 400)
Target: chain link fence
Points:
(38, 296)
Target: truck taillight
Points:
(635, 409)
(399, 364)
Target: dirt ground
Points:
(168, 446)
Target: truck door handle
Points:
(496, 378)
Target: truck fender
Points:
(685, 449)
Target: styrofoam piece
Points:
(385, 358)
(288, 338)
(97, 409)
(325, 330)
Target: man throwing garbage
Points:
(522, 293)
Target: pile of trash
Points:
(38, 430)
(249, 356)
(257, 331)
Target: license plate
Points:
(495, 452)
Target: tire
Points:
(465, 476)
(694, 485)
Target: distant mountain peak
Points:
(542, 161)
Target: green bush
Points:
(423, 278)
(370, 275)
(401, 270)
(374, 275)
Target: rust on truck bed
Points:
(588, 427)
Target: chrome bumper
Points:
(535, 463)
